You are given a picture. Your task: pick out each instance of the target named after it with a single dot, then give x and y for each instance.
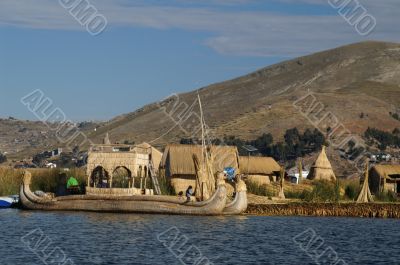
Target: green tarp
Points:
(72, 182)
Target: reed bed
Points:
(261, 190)
(47, 180)
(10, 180)
(166, 187)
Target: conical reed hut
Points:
(322, 168)
(106, 139)
(365, 194)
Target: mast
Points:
(203, 142)
(208, 183)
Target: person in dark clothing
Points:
(189, 193)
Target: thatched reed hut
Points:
(365, 195)
(385, 178)
(322, 168)
(178, 166)
(260, 170)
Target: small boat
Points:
(6, 202)
(132, 204)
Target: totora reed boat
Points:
(239, 203)
(216, 205)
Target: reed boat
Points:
(132, 204)
(239, 203)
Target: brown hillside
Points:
(348, 81)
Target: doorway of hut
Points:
(397, 188)
(99, 178)
(122, 178)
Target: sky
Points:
(150, 49)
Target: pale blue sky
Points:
(151, 49)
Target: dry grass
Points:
(42, 179)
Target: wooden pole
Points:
(300, 171)
(282, 181)
(248, 165)
(384, 183)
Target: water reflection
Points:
(93, 238)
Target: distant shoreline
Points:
(362, 210)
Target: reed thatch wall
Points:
(180, 183)
(259, 179)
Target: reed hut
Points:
(260, 170)
(178, 166)
(322, 168)
(365, 195)
(385, 178)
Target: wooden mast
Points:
(206, 180)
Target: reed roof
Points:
(178, 159)
(387, 170)
(258, 165)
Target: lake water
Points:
(90, 238)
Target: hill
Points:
(21, 139)
(358, 84)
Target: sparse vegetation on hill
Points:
(3, 158)
(295, 144)
(384, 139)
(395, 116)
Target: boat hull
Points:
(156, 205)
(239, 203)
(6, 202)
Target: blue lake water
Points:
(92, 238)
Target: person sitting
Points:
(73, 186)
(189, 193)
(104, 184)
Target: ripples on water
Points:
(91, 238)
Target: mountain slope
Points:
(358, 83)
(350, 80)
